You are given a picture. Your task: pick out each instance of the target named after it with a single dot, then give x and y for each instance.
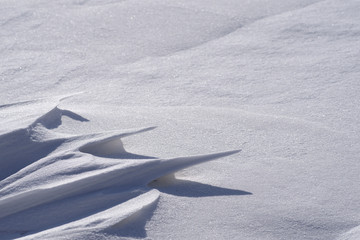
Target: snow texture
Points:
(100, 98)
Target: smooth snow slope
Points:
(277, 79)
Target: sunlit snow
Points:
(138, 119)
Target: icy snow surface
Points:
(102, 101)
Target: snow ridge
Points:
(54, 167)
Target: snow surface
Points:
(99, 98)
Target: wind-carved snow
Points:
(46, 173)
(280, 78)
(112, 147)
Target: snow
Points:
(100, 98)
